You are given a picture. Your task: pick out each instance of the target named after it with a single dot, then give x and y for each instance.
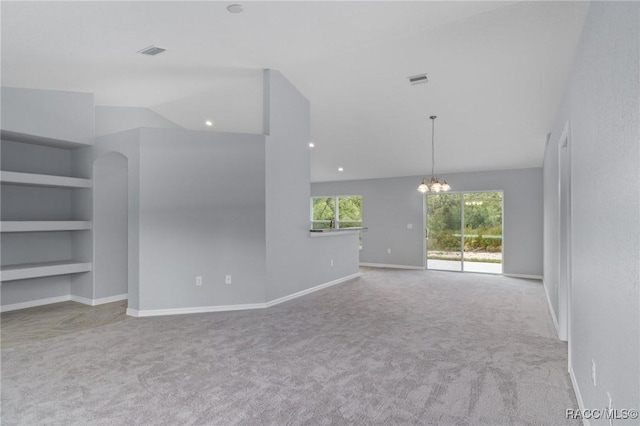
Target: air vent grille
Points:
(418, 79)
(151, 50)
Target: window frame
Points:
(336, 211)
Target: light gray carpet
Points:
(44, 322)
(393, 347)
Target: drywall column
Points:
(295, 261)
(202, 203)
(602, 107)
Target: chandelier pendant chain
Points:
(433, 184)
(433, 146)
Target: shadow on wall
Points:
(110, 225)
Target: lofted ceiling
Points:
(497, 71)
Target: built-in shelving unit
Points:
(47, 181)
(44, 226)
(39, 140)
(29, 269)
(43, 269)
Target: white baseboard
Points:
(65, 298)
(192, 310)
(576, 390)
(553, 314)
(386, 265)
(34, 303)
(311, 290)
(101, 301)
(529, 277)
(225, 308)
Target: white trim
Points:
(101, 301)
(553, 314)
(66, 298)
(34, 303)
(311, 290)
(192, 310)
(576, 390)
(111, 299)
(529, 277)
(386, 265)
(342, 231)
(225, 308)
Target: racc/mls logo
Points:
(605, 413)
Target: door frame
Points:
(564, 236)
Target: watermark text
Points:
(603, 413)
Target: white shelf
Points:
(44, 226)
(32, 179)
(40, 140)
(43, 269)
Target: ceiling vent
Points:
(151, 50)
(418, 79)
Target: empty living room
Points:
(320, 212)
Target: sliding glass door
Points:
(464, 231)
(444, 241)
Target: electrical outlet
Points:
(331, 262)
(198, 281)
(409, 225)
(227, 279)
(388, 251)
(593, 372)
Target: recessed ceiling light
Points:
(209, 123)
(235, 8)
(340, 169)
(311, 144)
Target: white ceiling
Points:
(497, 71)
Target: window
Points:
(344, 211)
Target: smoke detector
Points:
(151, 50)
(418, 79)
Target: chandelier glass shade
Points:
(433, 184)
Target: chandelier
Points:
(433, 184)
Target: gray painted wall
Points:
(202, 204)
(295, 261)
(126, 143)
(389, 205)
(22, 291)
(48, 113)
(197, 206)
(114, 119)
(82, 242)
(602, 106)
(110, 263)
